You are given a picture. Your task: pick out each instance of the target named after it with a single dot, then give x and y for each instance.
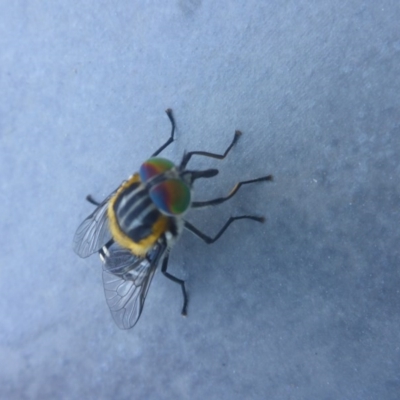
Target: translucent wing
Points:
(93, 233)
(126, 280)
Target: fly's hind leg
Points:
(91, 200)
(178, 281)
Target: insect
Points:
(135, 227)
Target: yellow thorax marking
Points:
(137, 248)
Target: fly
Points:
(135, 227)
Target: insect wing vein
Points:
(93, 233)
(126, 280)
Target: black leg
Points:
(198, 204)
(189, 155)
(209, 239)
(171, 139)
(176, 280)
(90, 199)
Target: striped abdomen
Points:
(135, 212)
(135, 221)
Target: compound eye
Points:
(153, 167)
(171, 197)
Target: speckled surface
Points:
(306, 306)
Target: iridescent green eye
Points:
(172, 197)
(153, 167)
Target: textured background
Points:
(306, 306)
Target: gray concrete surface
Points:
(306, 306)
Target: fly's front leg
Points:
(189, 155)
(199, 204)
(171, 138)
